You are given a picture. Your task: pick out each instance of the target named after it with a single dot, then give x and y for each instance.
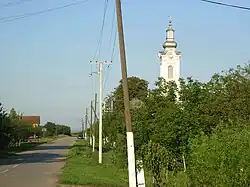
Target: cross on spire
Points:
(170, 21)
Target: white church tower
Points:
(170, 57)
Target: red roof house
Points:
(33, 120)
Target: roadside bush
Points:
(192, 134)
(222, 159)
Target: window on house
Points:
(170, 72)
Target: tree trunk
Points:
(19, 143)
(184, 163)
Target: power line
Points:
(98, 48)
(227, 5)
(107, 76)
(99, 44)
(111, 33)
(14, 3)
(102, 29)
(113, 48)
(12, 18)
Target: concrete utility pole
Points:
(100, 106)
(86, 122)
(111, 105)
(82, 128)
(91, 124)
(95, 118)
(94, 109)
(130, 137)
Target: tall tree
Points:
(138, 89)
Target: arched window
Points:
(170, 72)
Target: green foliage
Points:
(5, 129)
(53, 129)
(83, 169)
(138, 89)
(14, 130)
(179, 179)
(222, 159)
(156, 159)
(165, 120)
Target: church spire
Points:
(170, 40)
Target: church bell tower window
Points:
(170, 72)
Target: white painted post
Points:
(100, 115)
(93, 148)
(140, 175)
(131, 159)
(90, 140)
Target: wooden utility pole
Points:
(86, 122)
(100, 106)
(130, 137)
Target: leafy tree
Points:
(175, 127)
(138, 89)
(14, 130)
(54, 129)
(221, 160)
(5, 129)
(51, 128)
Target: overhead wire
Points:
(206, 1)
(112, 26)
(13, 3)
(21, 16)
(98, 47)
(226, 4)
(113, 47)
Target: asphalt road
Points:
(39, 167)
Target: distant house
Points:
(33, 120)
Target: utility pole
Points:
(82, 127)
(56, 130)
(86, 122)
(112, 105)
(100, 106)
(95, 118)
(130, 137)
(91, 124)
(94, 110)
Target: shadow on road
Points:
(51, 147)
(42, 157)
(48, 153)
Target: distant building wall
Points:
(32, 120)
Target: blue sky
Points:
(45, 58)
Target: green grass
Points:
(24, 147)
(82, 168)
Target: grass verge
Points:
(82, 168)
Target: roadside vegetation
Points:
(82, 168)
(17, 135)
(196, 136)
